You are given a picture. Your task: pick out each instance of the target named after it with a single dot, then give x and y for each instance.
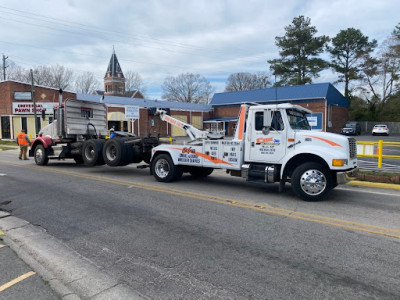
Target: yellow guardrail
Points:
(375, 150)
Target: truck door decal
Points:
(210, 158)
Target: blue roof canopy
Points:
(298, 93)
(145, 102)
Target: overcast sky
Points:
(161, 38)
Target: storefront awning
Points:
(116, 116)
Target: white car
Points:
(380, 129)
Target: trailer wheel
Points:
(199, 172)
(128, 157)
(311, 181)
(92, 152)
(100, 159)
(164, 169)
(115, 152)
(41, 157)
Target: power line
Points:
(99, 30)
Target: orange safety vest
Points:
(22, 139)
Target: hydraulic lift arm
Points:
(193, 132)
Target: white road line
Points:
(355, 189)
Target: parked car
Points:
(351, 128)
(380, 129)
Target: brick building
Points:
(16, 107)
(16, 111)
(329, 106)
(114, 80)
(148, 123)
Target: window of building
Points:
(214, 127)
(86, 112)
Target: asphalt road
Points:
(215, 238)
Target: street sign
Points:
(131, 112)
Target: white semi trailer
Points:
(79, 131)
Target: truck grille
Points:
(352, 148)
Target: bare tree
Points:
(381, 75)
(133, 81)
(42, 76)
(62, 77)
(189, 88)
(17, 73)
(86, 83)
(244, 81)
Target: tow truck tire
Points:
(311, 181)
(115, 152)
(92, 152)
(164, 169)
(40, 155)
(199, 172)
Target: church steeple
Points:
(114, 80)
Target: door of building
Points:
(5, 127)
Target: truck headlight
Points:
(339, 162)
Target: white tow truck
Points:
(272, 143)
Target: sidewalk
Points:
(60, 272)
(18, 280)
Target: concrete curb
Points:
(68, 273)
(375, 184)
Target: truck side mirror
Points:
(267, 121)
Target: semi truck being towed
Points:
(272, 143)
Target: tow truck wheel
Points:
(41, 157)
(164, 169)
(311, 181)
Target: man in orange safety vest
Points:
(23, 142)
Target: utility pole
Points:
(34, 104)
(4, 67)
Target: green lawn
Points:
(11, 143)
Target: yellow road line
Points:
(1, 233)
(236, 203)
(16, 280)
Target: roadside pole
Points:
(34, 105)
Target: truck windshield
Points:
(297, 119)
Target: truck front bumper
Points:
(345, 177)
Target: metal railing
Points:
(375, 150)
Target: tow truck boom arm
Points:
(192, 131)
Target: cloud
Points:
(165, 38)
